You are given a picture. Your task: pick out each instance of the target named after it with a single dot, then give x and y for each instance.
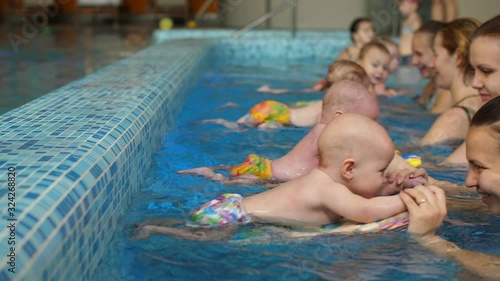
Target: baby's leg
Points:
(160, 222)
(222, 122)
(207, 172)
(198, 234)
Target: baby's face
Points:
(376, 64)
(365, 33)
(370, 171)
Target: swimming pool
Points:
(251, 254)
(59, 55)
(83, 151)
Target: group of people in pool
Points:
(346, 166)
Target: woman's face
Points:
(444, 64)
(376, 64)
(422, 53)
(485, 60)
(365, 33)
(483, 154)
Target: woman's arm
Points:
(443, 101)
(427, 208)
(458, 156)
(452, 124)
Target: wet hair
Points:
(457, 36)
(347, 70)
(372, 45)
(487, 116)
(489, 28)
(355, 25)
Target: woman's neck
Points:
(458, 88)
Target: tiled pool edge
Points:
(71, 150)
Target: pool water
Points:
(166, 194)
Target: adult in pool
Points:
(434, 99)
(451, 47)
(349, 182)
(483, 70)
(427, 205)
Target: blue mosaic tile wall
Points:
(258, 45)
(80, 153)
(163, 35)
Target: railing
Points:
(286, 4)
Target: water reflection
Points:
(59, 54)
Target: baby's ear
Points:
(347, 169)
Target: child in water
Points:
(375, 59)
(272, 113)
(336, 71)
(354, 152)
(344, 96)
(411, 23)
(362, 32)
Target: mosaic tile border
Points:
(81, 152)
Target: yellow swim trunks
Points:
(268, 112)
(253, 165)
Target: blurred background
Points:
(45, 44)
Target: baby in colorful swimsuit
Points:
(348, 183)
(343, 96)
(338, 70)
(272, 113)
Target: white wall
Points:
(312, 14)
(482, 10)
(332, 14)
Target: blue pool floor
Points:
(247, 256)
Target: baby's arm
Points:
(267, 89)
(344, 203)
(344, 55)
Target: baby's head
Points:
(346, 69)
(362, 31)
(355, 151)
(375, 59)
(393, 49)
(407, 7)
(347, 96)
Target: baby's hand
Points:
(407, 178)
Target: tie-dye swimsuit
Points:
(225, 209)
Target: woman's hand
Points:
(427, 208)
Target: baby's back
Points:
(298, 201)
